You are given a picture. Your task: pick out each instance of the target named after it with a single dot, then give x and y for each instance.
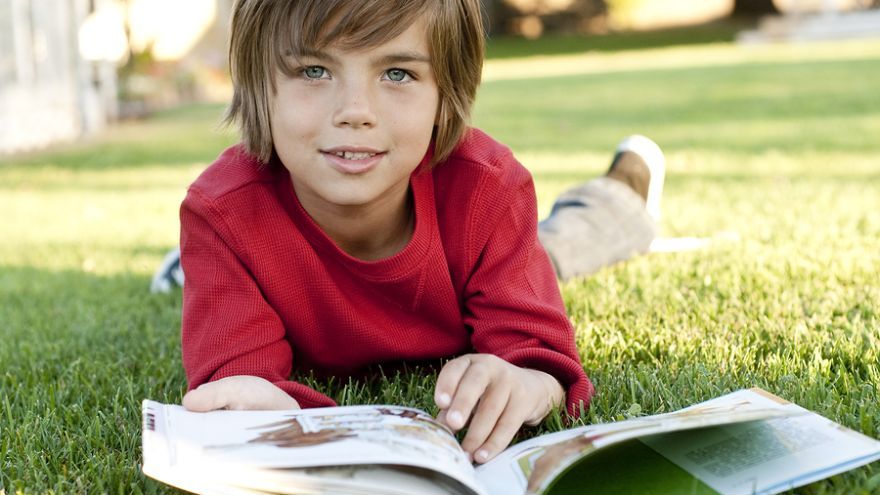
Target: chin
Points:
(349, 200)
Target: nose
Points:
(354, 106)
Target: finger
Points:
(272, 399)
(288, 403)
(471, 387)
(508, 424)
(207, 397)
(257, 393)
(448, 380)
(489, 410)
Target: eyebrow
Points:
(318, 54)
(391, 58)
(399, 57)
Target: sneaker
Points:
(653, 159)
(169, 274)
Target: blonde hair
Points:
(266, 32)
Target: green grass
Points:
(775, 144)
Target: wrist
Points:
(554, 395)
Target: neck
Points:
(369, 232)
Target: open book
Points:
(741, 443)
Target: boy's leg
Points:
(608, 219)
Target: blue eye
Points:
(314, 72)
(396, 75)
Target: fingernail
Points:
(455, 419)
(443, 401)
(482, 455)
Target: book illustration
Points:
(544, 463)
(314, 430)
(290, 433)
(540, 466)
(401, 430)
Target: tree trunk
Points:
(754, 8)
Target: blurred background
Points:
(69, 68)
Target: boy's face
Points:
(351, 126)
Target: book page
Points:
(768, 456)
(361, 478)
(228, 442)
(531, 466)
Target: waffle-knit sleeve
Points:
(512, 299)
(228, 328)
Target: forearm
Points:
(228, 328)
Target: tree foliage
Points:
(754, 8)
(505, 16)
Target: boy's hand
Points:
(238, 393)
(501, 396)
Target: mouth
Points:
(353, 161)
(354, 155)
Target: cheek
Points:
(416, 117)
(294, 106)
(293, 122)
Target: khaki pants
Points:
(594, 225)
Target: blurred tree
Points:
(753, 8)
(511, 16)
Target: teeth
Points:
(350, 155)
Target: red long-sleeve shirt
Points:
(267, 293)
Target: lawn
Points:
(774, 149)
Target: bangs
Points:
(312, 26)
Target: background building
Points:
(70, 67)
(48, 90)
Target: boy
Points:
(360, 222)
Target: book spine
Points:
(156, 449)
